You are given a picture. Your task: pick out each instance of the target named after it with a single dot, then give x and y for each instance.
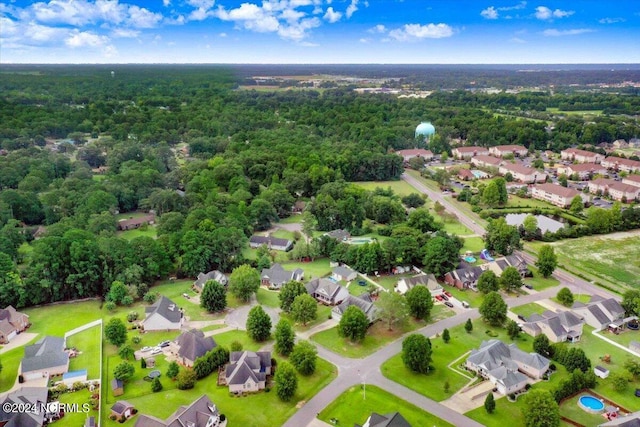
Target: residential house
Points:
(555, 194)
(203, 278)
(581, 156)
(248, 371)
(428, 280)
(122, 409)
(117, 387)
(393, 419)
(621, 164)
(191, 345)
(40, 232)
(507, 367)
(45, 358)
(584, 171)
(276, 276)
(343, 273)
(469, 152)
(629, 420)
(274, 243)
(200, 413)
(133, 223)
(298, 206)
(35, 397)
(523, 173)
(558, 326)
(503, 150)
(327, 291)
(483, 161)
(599, 312)
(409, 154)
(12, 322)
(466, 175)
(363, 302)
(632, 180)
(339, 235)
(163, 315)
(614, 189)
(463, 278)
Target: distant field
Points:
(555, 110)
(401, 188)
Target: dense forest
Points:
(250, 156)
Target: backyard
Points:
(87, 343)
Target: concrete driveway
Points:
(237, 318)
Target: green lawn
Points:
(389, 281)
(324, 314)
(10, 364)
(583, 298)
(268, 298)
(127, 215)
(401, 188)
(527, 310)
(87, 343)
(473, 298)
(291, 219)
(74, 315)
(474, 244)
(317, 268)
(538, 282)
(516, 202)
(356, 405)
(149, 231)
(454, 227)
(247, 411)
(283, 234)
(77, 419)
(623, 338)
(571, 410)
(174, 290)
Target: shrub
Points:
(136, 340)
(110, 306)
(186, 379)
(236, 346)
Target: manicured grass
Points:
(174, 290)
(355, 289)
(225, 339)
(401, 188)
(583, 298)
(388, 281)
(149, 231)
(317, 268)
(127, 215)
(571, 410)
(10, 364)
(79, 397)
(527, 310)
(473, 298)
(291, 219)
(624, 337)
(355, 405)
(515, 202)
(455, 227)
(556, 110)
(268, 298)
(474, 244)
(253, 410)
(538, 282)
(59, 318)
(87, 343)
(324, 312)
(377, 337)
(283, 234)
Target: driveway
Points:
(237, 318)
(18, 341)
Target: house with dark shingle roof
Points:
(339, 235)
(191, 345)
(133, 223)
(212, 275)
(201, 413)
(463, 278)
(274, 243)
(25, 395)
(326, 291)
(122, 409)
(599, 312)
(12, 322)
(163, 315)
(429, 280)
(558, 326)
(393, 419)
(45, 358)
(629, 420)
(363, 302)
(343, 273)
(276, 276)
(247, 371)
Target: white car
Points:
(145, 349)
(156, 350)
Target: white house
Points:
(581, 156)
(523, 173)
(503, 150)
(469, 152)
(428, 280)
(555, 194)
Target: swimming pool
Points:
(360, 240)
(590, 404)
(470, 259)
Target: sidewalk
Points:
(328, 324)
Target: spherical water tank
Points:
(425, 129)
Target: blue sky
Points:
(319, 31)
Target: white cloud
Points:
(351, 9)
(332, 16)
(413, 32)
(222, 34)
(140, 17)
(544, 13)
(611, 20)
(489, 13)
(560, 33)
(78, 39)
(125, 33)
(518, 6)
(299, 30)
(380, 29)
(166, 3)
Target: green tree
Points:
(186, 379)
(540, 409)
(489, 404)
(530, 225)
(419, 302)
(117, 292)
(413, 200)
(123, 371)
(156, 385)
(173, 370)
(510, 279)
(288, 294)
(392, 308)
(513, 330)
(468, 326)
(577, 205)
(143, 363)
(421, 219)
(446, 336)
(285, 337)
(116, 332)
(125, 352)
(547, 260)
(620, 382)
(416, 353)
(286, 381)
(491, 195)
(493, 309)
(263, 214)
(488, 282)
(244, 282)
(309, 224)
(565, 297)
(441, 255)
(258, 324)
(542, 346)
(633, 366)
(502, 237)
(353, 324)
(631, 302)
(304, 309)
(304, 357)
(213, 297)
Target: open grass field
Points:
(87, 343)
(401, 188)
(538, 282)
(149, 231)
(473, 298)
(516, 202)
(79, 397)
(474, 244)
(527, 310)
(225, 339)
(283, 234)
(268, 298)
(610, 259)
(556, 110)
(356, 405)
(318, 268)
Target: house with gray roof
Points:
(45, 358)
(629, 420)
(393, 419)
(270, 242)
(600, 313)
(339, 235)
(507, 367)
(363, 302)
(12, 322)
(343, 273)
(122, 409)
(428, 280)
(191, 345)
(247, 371)
(327, 291)
(212, 275)
(25, 395)
(276, 276)
(560, 326)
(200, 413)
(163, 315)
(463, 278)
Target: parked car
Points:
(528, 286)
(448, 304)
(521, 317)
(186, 295)
(465, 304)
(145, 349)
(447, 293)
(444, 297)
(164, 344)
(156, 350)
(439, 297)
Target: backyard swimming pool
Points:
(360, 240)
(591, 404)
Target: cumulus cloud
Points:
(379, 29)
(492, 12)
(489, 13)
(544, 13)
(85, 39)
(351, 9)
(202, 9)
(332, 16)
(414, 32)
(560, 33)
(125, 33)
